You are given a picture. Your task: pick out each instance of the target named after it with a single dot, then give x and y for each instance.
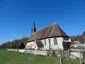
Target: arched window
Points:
(49, 42)
(55, 41)
(45, 41)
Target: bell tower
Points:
(33, 30)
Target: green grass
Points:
(20, 58)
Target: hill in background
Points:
(15, 44)
(20, 42)
(80, 38)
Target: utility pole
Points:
(83, 58)
(83, 54)
(61, 57)
(80, 55)
(49, 52)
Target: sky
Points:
(17, 17)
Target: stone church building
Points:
(51, 37)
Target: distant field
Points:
(19, 58)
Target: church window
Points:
(55, 41)
(45, 41)
(49, 44)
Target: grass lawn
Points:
(21, 58)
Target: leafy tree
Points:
(80, 38)
(15, 43)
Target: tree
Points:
(15, 43)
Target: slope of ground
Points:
(20, 58)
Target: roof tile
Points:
(51, 31)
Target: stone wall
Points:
(17, 50)
(36, 52)
(72, 55)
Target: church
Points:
(51, 37)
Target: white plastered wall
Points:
(58, 46)
(31, 45)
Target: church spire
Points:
(33, 28)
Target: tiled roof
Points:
(51, 31)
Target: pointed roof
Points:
(51, 31)
(33, 30)
(33, 26)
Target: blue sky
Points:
(17, 16)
